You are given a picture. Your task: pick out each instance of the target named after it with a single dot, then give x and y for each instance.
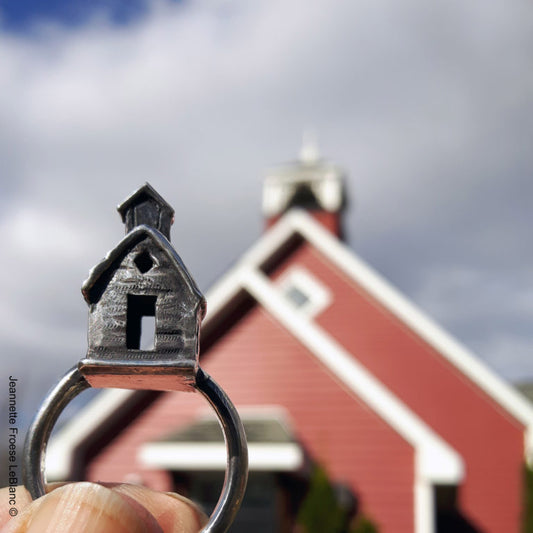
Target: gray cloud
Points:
(428, 106)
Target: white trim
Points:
(318, 296)
(60, 450)
(298, 221)
(436, 452)
(280, 457)
(424, 506)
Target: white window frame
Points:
(319, 296)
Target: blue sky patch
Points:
(22, 15)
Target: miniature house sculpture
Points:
(143, 277)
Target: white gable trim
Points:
(435, 459)
(298, 221)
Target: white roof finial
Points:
(309, 152)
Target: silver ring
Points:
(237, 453)
(141, 277)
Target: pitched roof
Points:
(299, 222)
(100, 274)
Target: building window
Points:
(296, 296)
(304, 291)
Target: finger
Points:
(82, 508)
(13, 500)
(174, 513)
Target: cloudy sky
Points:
(427, 105)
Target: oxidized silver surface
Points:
(143, 276)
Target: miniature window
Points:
(140, 322)
(304, 291)
(144, 262)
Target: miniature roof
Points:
(93, 288)
(146, 191)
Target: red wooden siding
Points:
(259, 363)
(490, 441)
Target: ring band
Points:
(73, 383)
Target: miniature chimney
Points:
(146, 206)
(310, 183)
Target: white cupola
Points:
(309, 183)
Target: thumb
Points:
(83, 508)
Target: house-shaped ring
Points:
(141, 282)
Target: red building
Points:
(328, 364)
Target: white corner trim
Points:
(61, 448)
(438, 459)
(280, 457)
(424, 506)
(439, 468)
(319, 297)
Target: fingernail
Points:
(172, 516)
(88, 508)
(199, 511)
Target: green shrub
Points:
(320, 511)
(363, 525)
